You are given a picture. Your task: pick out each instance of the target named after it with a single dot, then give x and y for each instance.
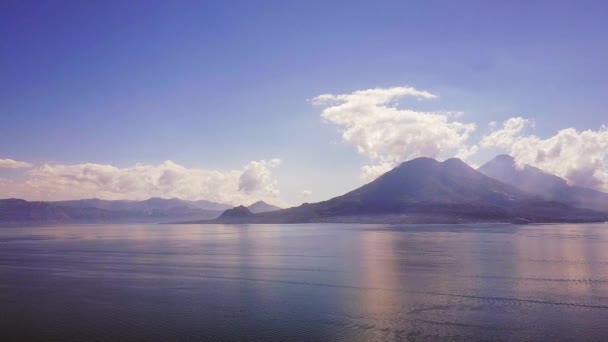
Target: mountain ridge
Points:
(424, 190)
(544, 184)
(261, 207)
(19, 211)
(147, 204)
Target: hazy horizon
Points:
(119, 197)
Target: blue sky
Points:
(215, 85)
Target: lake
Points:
(316, 282)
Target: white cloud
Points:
(306, 193)
(55, 181)
(257, 176)
(581, 157)
(388, 135)
(13, 164)
(371, 172)
(376, 95)
(505, 136)
(370, 121)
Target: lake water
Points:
(318, 282)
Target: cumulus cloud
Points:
(581, 157)
(141, 181)
(387, 135)
(372, 122)
(13, 164)
(257, 176)
(505, 136)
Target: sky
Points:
(292, 102)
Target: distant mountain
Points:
(97, 210)
(424, 190)
(154, 203)
(20, 211)
(548, 186)
(236, 213)
(262, 207)
(208, 205)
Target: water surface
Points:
(317, 282)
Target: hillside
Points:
(424, 190)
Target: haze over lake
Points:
(315, 282)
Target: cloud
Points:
(306, 193)
(13, 164)
(370, 121)
(581, 157)
(371, 172)
(257, 176)
(55, 181)
(376, 95)
(505, 136)
(378, 129)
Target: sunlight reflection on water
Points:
(304, 282)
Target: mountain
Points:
(20, 211)
(97, 210)
(236, 212)
(424, 190)
(543, 184)
(262, 207)
(208, 205)
(151, 204)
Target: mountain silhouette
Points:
(236, 213)
(425, 190)
(422, 190)
(112, 211)
(151, 204)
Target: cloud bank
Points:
(13, 164)
(371, 122)
(55, 181)
(580, 157)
